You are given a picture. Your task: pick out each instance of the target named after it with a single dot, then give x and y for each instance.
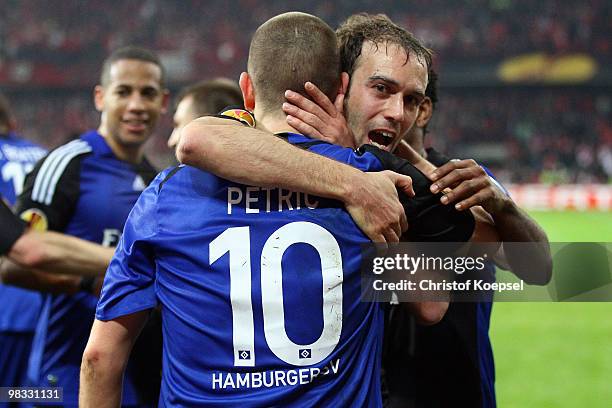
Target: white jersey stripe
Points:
(52, 169)
(42, 172)
(48, 167)
(42, 178)
(60, 170)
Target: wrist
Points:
(505, 208)
(350, 186)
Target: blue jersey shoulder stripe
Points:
(53, 167)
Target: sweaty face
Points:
(131, 102)
(183, 115)
(385, 92)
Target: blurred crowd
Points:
(50, 54)
(43, 36)
(531, 134)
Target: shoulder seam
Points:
(52, 169)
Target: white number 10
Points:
(236, 241)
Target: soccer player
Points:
(207, 97)
(19, 308)
(86, 188)
(259, 287)
(456, 355)
(468, 185)
(453, 360)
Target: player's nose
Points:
(136, 102)
(394, 108)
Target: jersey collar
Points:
(294, 138)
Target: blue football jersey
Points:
(17, 158)
(19, 308)
(259, 289)
(81, 189)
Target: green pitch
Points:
(556, 354)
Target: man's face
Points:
(131, 102)
(183, 115)
(385, 91)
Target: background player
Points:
(207, 97)
(69, 191)
(19, 308)
(58, 253)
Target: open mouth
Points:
(381, 139)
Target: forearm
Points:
(58, 253)
(105, 358)
(262, 159)
(214, 144)
(101, 382)
(16, 275)
(530, 262)
(406, 152)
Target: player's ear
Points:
(99, 98)
(344, 83)
(248, 92)
(165, 101)
(425, 112)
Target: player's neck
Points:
(275, 123)
(128, 153)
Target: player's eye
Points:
(413, 101)
(150, 93)
(382, 88)
(122, 92)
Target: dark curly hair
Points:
(378, 29)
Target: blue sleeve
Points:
(495, 181)
(129, 284)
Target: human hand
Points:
(375, 207)
(469, 185)
(320, 119)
